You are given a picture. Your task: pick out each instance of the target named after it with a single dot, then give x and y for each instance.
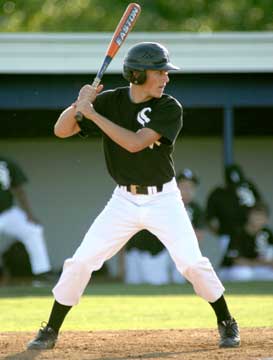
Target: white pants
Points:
(164, 215)
(15, 223)
(246, 273)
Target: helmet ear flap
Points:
(137, 77)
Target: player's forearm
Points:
(22, 200)
(66, 124)
(127, 139)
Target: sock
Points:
(221, 310)
(57, 316)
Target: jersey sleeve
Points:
(167, 119)
(17, 175)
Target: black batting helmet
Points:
(145, 56)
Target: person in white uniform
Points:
(16, 218)
(139, 125)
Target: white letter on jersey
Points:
(4, 176)
(142, 118)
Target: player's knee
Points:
(204, 280)
(76, 268)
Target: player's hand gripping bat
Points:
(122, 30)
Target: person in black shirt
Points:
(139, 125)
(16, 217)
(227, 205)
(250, 252)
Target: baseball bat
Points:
(123, 28)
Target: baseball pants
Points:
(14, 223)
(164, 215)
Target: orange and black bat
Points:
(122, 30)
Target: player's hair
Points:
(145, 56)
(260, 206)
(188, 174)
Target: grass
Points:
(115, 306)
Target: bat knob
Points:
(78, 116)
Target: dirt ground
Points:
(194, 344)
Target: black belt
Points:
(142, 189)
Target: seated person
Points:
(238, 194)
(146, 260)
(250, 252)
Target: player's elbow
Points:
(59, 132)
(134, 147)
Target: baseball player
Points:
(18, 221)
(249, 256)
(139, 124)
(238, 194)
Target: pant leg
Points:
(31, 235)
(169, 221)
(114, 226)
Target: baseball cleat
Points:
(229, 334)
(45, 339)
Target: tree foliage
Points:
(157, 15)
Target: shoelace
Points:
(230, 328)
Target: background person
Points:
(16, 218)
(227, 205)
(250, 253)
(188, 183)
(146, 260)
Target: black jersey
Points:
(229, 205)
(154, 164)
(249, 246)
(11, 175)
(144, 240)
(196, 215)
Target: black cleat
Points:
(45, 339)
(229, 334)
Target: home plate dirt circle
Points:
(190, 344)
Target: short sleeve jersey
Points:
(236, 202)
(249, 246)
(11, 175)
(154, 164)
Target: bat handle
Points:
(95, 84)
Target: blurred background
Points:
(50, 48)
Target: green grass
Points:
(116, 306)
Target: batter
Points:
(140, 124)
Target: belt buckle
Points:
(133, 189)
